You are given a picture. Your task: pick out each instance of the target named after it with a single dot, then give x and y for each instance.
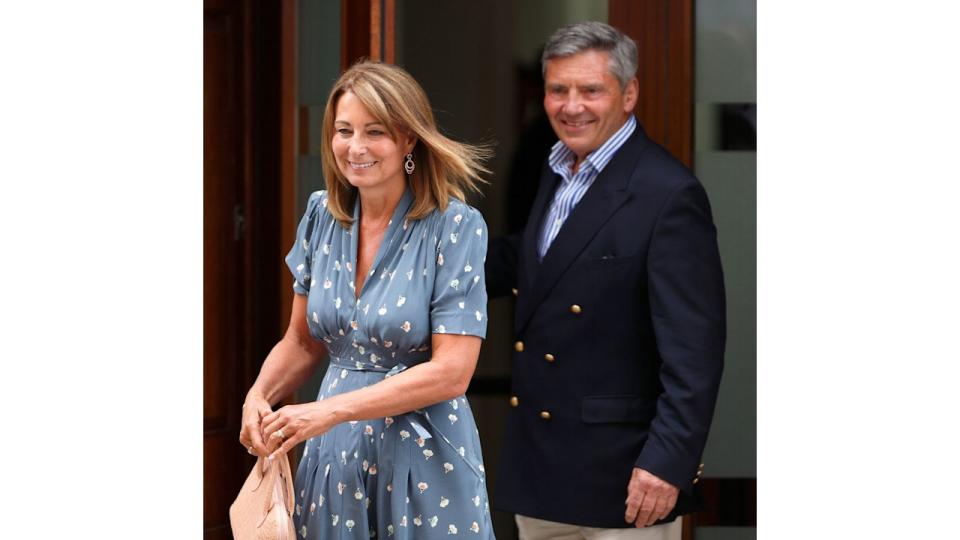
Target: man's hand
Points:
(651, 496)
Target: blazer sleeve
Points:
(502, 264)
(688, 311)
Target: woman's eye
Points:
(344, 131)
(374, 133)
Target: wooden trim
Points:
(376, 36)
(680, 81)
(366, 31)
(728, 502)
(288, 149)
(663, 30)
(354, 31)
(246, 342)
(389, 14)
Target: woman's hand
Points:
(294, 424)
(255, 408)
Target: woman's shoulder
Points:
(317, 201)
(458, 223)
(458, 212)
(316, 216)
(317, 205)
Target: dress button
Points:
(518, 346)
(545, 415)
(514, 402)
(515, 292)
(549, 357)
(575, 309)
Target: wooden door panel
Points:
(219, 533)
(223, 271)
(243, 216)
(663, 30)
(220, 474)
(221, 194)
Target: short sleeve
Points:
(300, 258)
(459, 302)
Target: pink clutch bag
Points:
(263, 509)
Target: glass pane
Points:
(725, 130)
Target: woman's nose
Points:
(358, 147)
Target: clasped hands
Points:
(268, 433)
(649, 498)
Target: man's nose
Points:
(573, 104)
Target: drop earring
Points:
(409, 165)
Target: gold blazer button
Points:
(514, 402)
(518, 346)
(515, 292)
(549, 357)
(575, 309)
(545, 415)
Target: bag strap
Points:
(286, 474)
(281, 467)
(269, 473)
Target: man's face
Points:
(584, 101)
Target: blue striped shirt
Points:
(575, 186)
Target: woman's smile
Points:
(361, 164)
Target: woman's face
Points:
(365, 152)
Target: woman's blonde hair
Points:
(444, 167)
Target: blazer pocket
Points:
(609, 261)
(616, 409)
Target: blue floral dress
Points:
(419, 474)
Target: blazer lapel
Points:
(531, 233)
(605, 196)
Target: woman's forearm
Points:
(288, 366)
(420, 386)
(445, 377)
(415, 388)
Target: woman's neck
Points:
(377, 205)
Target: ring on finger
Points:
(279, 433)
(250, 450)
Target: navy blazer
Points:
(620, 336)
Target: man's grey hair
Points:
(596, 36)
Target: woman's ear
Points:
(409, 142)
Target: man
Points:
(620, 317)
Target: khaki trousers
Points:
(538, 529)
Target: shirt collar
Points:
(561, 157)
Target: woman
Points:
(388, 276)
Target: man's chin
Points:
(577, 145)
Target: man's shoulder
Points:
(656, 168)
